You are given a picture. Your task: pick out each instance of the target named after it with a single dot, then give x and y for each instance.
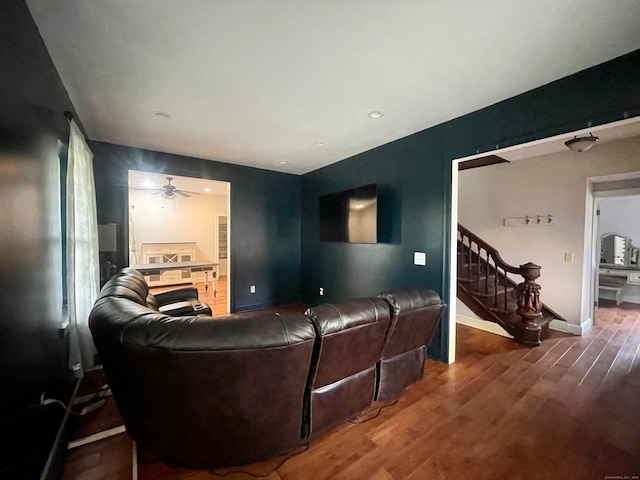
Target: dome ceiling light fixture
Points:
(581, 144)
(376, 114)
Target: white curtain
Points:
(83, 267)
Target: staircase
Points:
(486, 286)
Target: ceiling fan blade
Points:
(190, 192)
(151, 191)
(180, 192)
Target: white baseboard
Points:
(134, 460)
(559, 325)
(483, 325)
(566, 327)
(581, 329)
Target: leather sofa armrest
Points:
(181, 309)
(175, 295)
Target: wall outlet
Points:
(419, 258)
(321, 291)
(568, 256)
(252, 289)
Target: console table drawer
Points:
(613, 272)
(634, 277)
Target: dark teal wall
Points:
(414, 176)
(265, 217)
(33, 355)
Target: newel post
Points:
(529, 330)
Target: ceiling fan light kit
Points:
(168, 191)
(581, 144)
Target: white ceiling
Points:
(605, 133)
(257, 82)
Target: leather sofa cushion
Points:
(186, 307)
(262, 330)
(409, 299)
(332, 318)
(416, 314)
(354, 330)
(398, 372)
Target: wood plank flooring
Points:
(569, 409)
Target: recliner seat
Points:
(415, 315)
(342, 381)
(205, 392)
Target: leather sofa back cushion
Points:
(409, 299)
(415, 316)
(122, 291)
(208, 409)
(131, 278)
(352, 330)
(220, 333)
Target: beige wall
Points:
(553, 184)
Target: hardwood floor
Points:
(217, 302)
(569, 408)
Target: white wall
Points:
(181, 220)
(553, 184)
(621, 215)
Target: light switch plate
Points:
(419, 258)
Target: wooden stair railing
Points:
(484, 285)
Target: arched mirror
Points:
(618, 250)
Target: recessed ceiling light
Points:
(207, 189)
(376, 114)
(164, 115)
(148, 184)
(283, 162)
(319, 144)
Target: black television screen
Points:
(350, 216)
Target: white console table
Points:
(175, 273)
(168, 252)
(625, 274)
(614, 278)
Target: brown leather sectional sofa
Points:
(205, 392)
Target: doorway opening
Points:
(616, 239)
(178, 234)
(569, 255)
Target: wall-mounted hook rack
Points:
(529, 220)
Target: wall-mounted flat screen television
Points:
(350, 216)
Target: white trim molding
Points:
(562, 326)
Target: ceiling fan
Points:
(168, 191)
